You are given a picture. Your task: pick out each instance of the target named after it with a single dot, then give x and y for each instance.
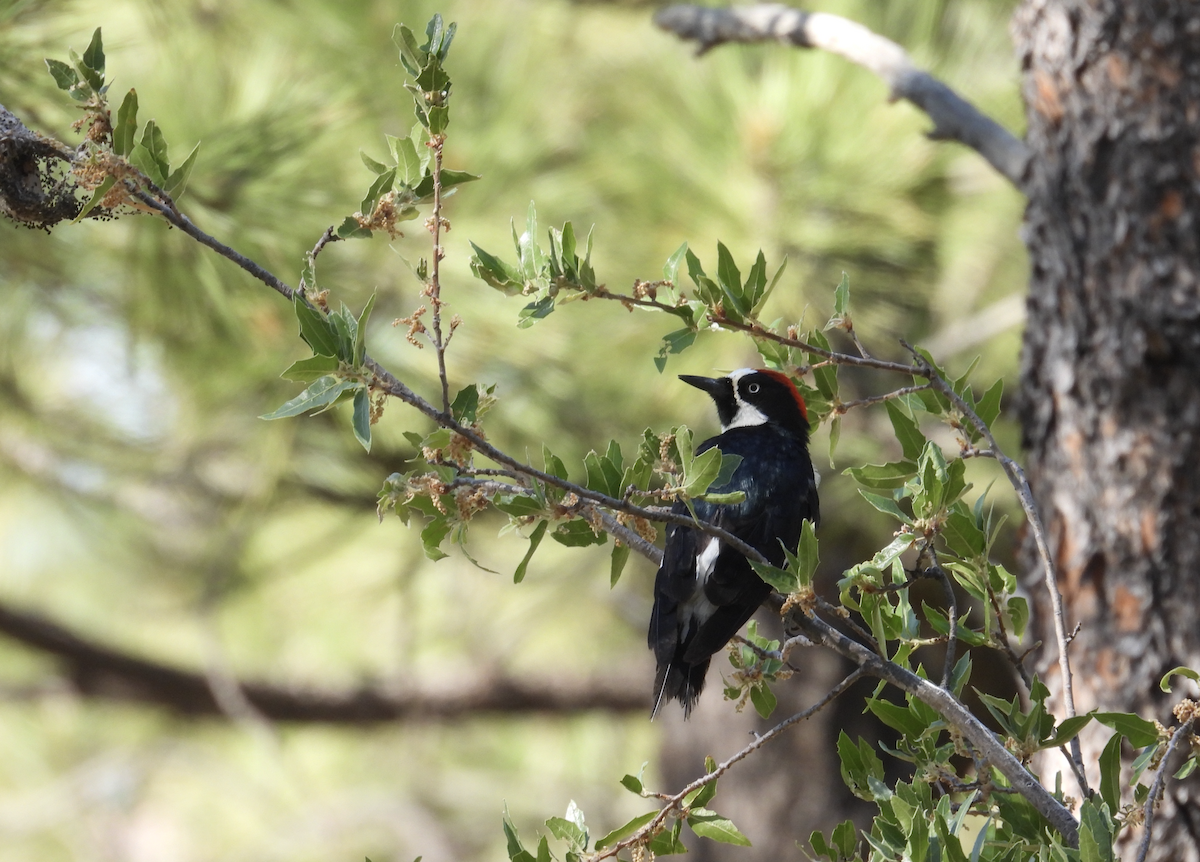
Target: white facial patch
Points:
(747, 415)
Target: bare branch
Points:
(954, 118)
(99, 671)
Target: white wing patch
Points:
(706, 560)
(697, 609)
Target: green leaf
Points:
(439, 119)
(433, 535)
(382, 185)
(709, 824)
(362, 417)
(886, 505)
(309, 370)
(1096, 833)
(1067, 730)
(125, 133)
(155, 145)
(807, 557)
(962, 534)
(730, 499)
(730, 280)
(176, 182)
(1165, 682)
(884, 476)
(667, 843)
(324, 391)
(516, 852)
(912, 441)
(671, 267)
(702, 472)
(841, 297)
(780, 579)
(674, 342)
(315, 328)
(360, 332)
(150, 153)
(622, 832)
(1137, 730)
(633, 784)
(465, 404)
(65, 77)
(93, 78)
(553, 464)
(535, 311)
(1189, 766)
(93, 57)
(409, 169)
(620, 556)
(565, 830)
(535, 539)
(450, 179)
(373, 166)
(495, 272)
(97, 195)
(763, 699)
(351, 229)
(1018, 612)
(756, 282)
(988, 407)
(412, 56)
(766, 294)
(577, 534)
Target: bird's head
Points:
(755, 396)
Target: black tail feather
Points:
(678, 680)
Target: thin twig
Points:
(954, 118)
(843, 407)
(437, 143)
(1160, 783)
(186, 225)
(1018, 662)
(674, 802)
(935, 570)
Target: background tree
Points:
(1109, 403)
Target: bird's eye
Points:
(753, 388)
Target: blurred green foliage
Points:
(142, 501)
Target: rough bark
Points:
(1110, 403)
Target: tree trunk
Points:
(1110, 388)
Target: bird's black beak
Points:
(713, 386)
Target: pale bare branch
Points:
(954, 118)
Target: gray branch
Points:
(954, 118)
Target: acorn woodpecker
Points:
(705, 591)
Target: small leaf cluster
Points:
(540, 274)
(336, 371)
(916, 823)
(83, 79)
(408, 178)
(756, 665)
(664, 840)
(925, 494)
